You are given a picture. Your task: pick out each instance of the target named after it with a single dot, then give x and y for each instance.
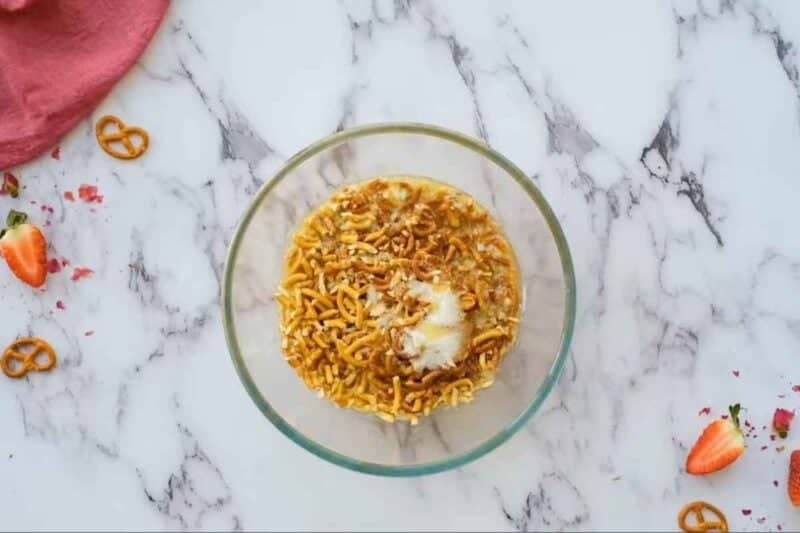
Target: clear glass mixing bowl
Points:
(449, 437)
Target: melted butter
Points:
(439, 338)
(434, 332)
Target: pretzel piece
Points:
(700, 524)
(22, 356)
(122, 135)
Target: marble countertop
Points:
(666, 136)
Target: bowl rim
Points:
(569, 309)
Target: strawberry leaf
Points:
(15, 218)
(734, 410)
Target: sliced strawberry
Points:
(793, 485)
(25, 249)
(781, 421)
(720, 444)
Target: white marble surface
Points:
(666, 137)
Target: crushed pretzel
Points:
(346, 306)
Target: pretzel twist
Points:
(22, 356)
(700, 524)
(123, 136)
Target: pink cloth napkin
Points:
(58, 60)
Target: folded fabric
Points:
(58, 60)
(14, 5)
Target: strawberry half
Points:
(25, 249)
(793, 485)
(720, 444)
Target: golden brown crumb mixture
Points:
(400, 296)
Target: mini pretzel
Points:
(700, 524)
(123, 136)
(22, 357)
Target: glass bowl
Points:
(448, 437)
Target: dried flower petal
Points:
(736, 373)
(704, 411)
(747, 512)
(69, 196)
(60, 305)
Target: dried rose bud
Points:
(781, 421)
(10, 185)
(53, 266)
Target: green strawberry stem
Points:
(734, 411)
(15, 218)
